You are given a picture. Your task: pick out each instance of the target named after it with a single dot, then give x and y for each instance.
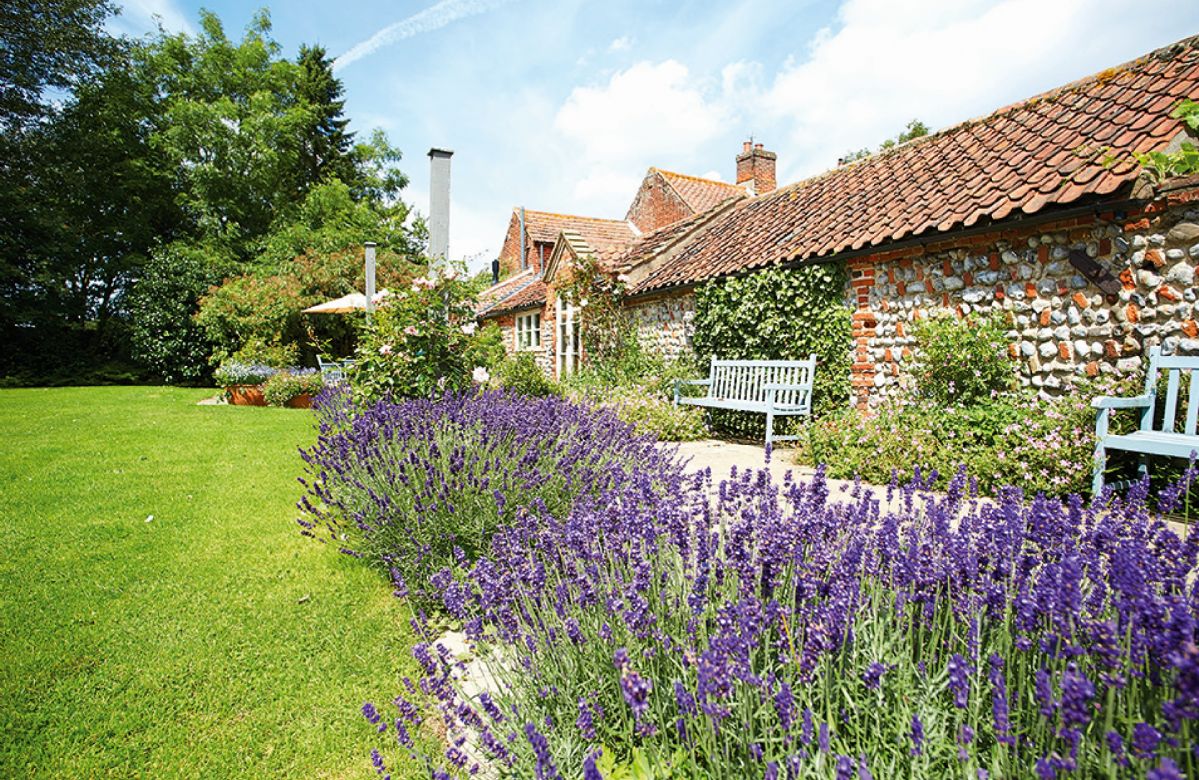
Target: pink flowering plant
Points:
(421, 340)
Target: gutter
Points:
(991, 227)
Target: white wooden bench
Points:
(1150, 439)
(775, 388)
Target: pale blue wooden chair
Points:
(1152, 438)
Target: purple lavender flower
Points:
(1166, 770)
(999, 701)
(636, 690)
(377, 760)
(683, 699)
(874, 675)
(959, 681)
(1044, 692)
(846, 768)
(585, 722)
(823, 739)
(1145, 740)
(784, 705)
(590, 772)
(1115, 744)
(541, 750)
(917, 736)
(772, 771)
(1077, 692)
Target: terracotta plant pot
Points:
(245, 395)
(303, 401)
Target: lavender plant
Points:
(773, 630)
(422, 486)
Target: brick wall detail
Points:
(665, 325)
(1061, 324)
(656, 205)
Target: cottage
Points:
(1039, 210)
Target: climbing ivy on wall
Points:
(778, 314)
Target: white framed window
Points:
(528, 331)
(569, 346)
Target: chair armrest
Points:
(1110, 402)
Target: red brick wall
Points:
(510, 251)
(656, 204)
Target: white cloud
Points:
(646, 110)
(432, 18)
(885, 63)
(137, 17)
(713, 175)
(602, 185)
(623, 43)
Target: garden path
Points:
(722, 456)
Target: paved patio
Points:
(722, 456)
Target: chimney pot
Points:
(745, 146)
(756, 167)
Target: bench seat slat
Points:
(744, 406)
(1178, 445)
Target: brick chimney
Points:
(755, 167)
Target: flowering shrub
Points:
(1026, 441)
(422, 484)
(521, 374)
(233, 373)
(421, 340)
(288, 385)
(776, 631)
(962, 360)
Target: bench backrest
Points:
(745, 380)
(1175, 366)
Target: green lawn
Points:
(212, 641)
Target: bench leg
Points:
(1100, 467)
(769, 428)
(1143, 467)
(1100, 461)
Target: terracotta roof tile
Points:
(601, 234)
(497, 294)
(1052, 150)
(701, 194)
(528, 297)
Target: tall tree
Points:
(326, 144)
(47, 44)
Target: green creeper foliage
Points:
(1184, 161)
(778, 314)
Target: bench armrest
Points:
(693, 381)
(1111, 402)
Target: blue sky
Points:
(563, 105)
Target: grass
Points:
(210, 641)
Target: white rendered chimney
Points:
(439, 204)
